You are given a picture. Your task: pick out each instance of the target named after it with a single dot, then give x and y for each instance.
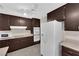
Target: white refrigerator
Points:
(36, 33)
(51, 37)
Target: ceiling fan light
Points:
(25, 14)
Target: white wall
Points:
(43, 19)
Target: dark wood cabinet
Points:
(58, 14)
(19, 43)
(69, 52)
(35, 22)
(4, 43)
(69, 13)
(20, 21)
(9, 20)
(72, 17)
(27, 22)
(4, 22)
(14, 21)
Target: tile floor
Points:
(29, 51)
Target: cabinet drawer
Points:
(67, 51)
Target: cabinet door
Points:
(72, 17)
(4, 43)
(26, 22)
(12, 45)
(14, 21)
(20, 21)
(58, 14)
(4, 22)
(35, 22)
(26, 41)
(29, 24)
(69, 52)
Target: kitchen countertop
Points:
(13, 37)
(71, 42)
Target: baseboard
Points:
(41, 54)
(37, 42)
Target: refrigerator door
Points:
(45, 39)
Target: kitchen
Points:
(18, 32)
(51, 29)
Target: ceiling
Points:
(30, 10)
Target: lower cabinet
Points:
(17, 43)
(4, 43)
(69, 52)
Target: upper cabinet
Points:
(26, 22)
(20, 21)
(14, 21)
(58, 14)
(4, 22)
(68, 13)
(35, 22)
(72, 17)
(8, 20)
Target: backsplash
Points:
(5, 32)
(72, 35)
(20, 32)
(15, 32)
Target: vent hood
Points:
(18, 27)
